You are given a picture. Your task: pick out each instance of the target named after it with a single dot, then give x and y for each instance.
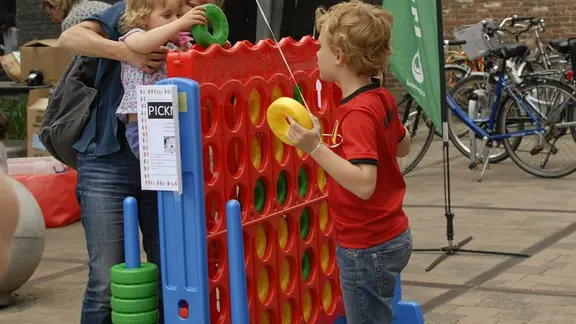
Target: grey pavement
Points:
(510, 211)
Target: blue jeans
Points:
(103, 183)
(368, 278)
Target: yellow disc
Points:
(327, 296)
(283, 233)
(256, 152)
(261, 241)
(282, 108)
(323, 217)
(287, 313)
(254, 106)
(284, 275)
(278, 149)
(263, 285)
(265, 318)
(321, 179)
(325, 257)
(307, 306)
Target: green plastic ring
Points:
(259, 195)
(148, 272)
(140, 318)
(140, 291)
(282, 188)
(304, 224)
(221, 29)
(302, 182)
(306, 266)
(134, 306)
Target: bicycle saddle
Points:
(560, 45)
(510, 51)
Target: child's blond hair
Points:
(138, 10)
(361, 31)
(135, 14)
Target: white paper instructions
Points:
(159, 136)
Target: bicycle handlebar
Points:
(532, 21)
(454, 42)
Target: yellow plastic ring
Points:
(285, 107)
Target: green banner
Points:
(414, 59)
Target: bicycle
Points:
(548, 126)
(411, 117)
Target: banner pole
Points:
(452, 248)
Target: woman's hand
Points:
(148, 63)
(304, 139)
(194, 16)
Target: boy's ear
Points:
(339, 57)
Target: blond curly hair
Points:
(361, 31)
(138, 10)
(135, 14)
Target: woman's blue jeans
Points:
(103, 184)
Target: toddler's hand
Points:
(195, 16)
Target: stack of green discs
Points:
(134, 294)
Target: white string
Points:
(289, 69)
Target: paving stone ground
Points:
(509, 211)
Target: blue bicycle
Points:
(534, 115)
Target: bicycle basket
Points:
(476, 45)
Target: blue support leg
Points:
(182, 219)
(238, 291)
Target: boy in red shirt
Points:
(366, 189)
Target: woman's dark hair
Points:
(4, 126)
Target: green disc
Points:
(133, 306)
(282, 188)
(139, 318)
(139, 291)
(217, 19)
(302, 182)
(259, 195)
(306, 266)
(304, 224)
(147, 273)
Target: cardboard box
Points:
(11, 65)
(45, 56)
(36, 106)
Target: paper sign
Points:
(159, 136)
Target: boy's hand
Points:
(195, 16)
(304, 139)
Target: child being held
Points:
(149, 24)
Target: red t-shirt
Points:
(371, 130)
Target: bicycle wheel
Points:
(421, 134)
(454, 74)
(459, 130)
(553, 103)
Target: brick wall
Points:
(559, 16)
(34, 23)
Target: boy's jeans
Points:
(368, 279)
(103, 183)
